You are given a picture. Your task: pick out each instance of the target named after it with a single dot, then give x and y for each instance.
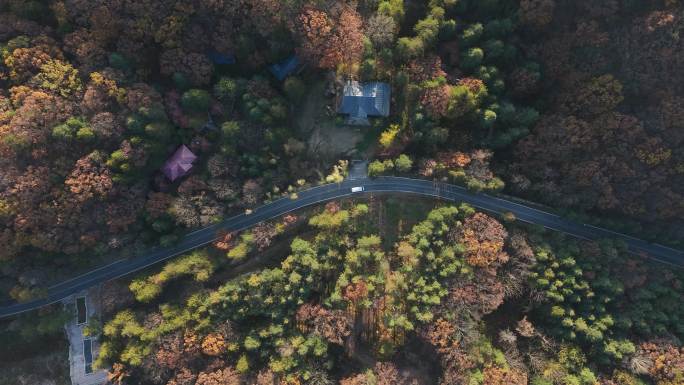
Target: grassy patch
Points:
(370, 138)
(401, 214)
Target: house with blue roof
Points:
(363, 100)
(283, 69)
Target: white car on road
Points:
(357, 189)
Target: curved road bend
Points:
(329, 192)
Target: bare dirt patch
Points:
(331, 141)
(327, 140)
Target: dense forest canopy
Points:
(458, 299)
(573, 104)
(558, 99)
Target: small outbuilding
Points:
(179, 164)
(363, 100)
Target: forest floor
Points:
(50, 368)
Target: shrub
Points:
(388, 136)
(472, 58)
(472, 34)
(196, 264)
(242, 365)
(488, 118)
(408, 47)
(240, 251)
(74, 127)
(403, 163)
(85, 134)
(226, 89)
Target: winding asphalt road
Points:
(329, 192)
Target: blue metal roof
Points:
(221, 58)
(363, 100)
(284, 68)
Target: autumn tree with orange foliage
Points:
(357, 379)
(183, 377)
(213, 344)
(484, 239)
(314, 28)
(90, 178)
(191, 343)
(329, 40)
(477, 298)
(661, 360)
(225, 241)
(170, 352)
(158, 204)
(333, 325)
(435, 100)
(443, 335)
(496, 376)
(225, 376)
(346, 44)
(117, 375)
(425, 69)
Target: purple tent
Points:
(179, 164)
